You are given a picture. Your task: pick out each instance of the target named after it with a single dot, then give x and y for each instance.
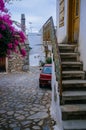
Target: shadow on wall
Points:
(65, 40)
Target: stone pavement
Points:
(23, 105)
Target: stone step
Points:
(73, 85)
(74, 82)
(73, 74)
(72, 66)
(74, 97)
(67, 47)
(69, 56)
(74, 125)
(74, 111)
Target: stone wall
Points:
(18, 63)
(26, 59)
(15, 63)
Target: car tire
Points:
(40, 85)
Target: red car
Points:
(45, 75)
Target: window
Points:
(47, 70)
(61, 13)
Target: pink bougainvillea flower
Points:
(22, 36)
(2, 6)
(12, 29)
(16, 51)
(23, 52)
(10, 37)
(16, 42)
(1, 35)
(10, 45)
(7, 19)
(3, 27)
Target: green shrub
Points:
(49, 60)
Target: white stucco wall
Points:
(82, 34)
(62, 31)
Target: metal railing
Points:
(55, 50)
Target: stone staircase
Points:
(73, 105)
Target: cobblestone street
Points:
(23, 105)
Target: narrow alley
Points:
(23, 105)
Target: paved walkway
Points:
(23, 105)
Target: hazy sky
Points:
(36, 12)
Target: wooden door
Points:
(73, 20)
(3, 64)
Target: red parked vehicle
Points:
(45, 75)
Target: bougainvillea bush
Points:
(11, 39)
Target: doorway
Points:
(73, 20)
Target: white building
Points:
(36, 53)
(71, 29)
(71, 24)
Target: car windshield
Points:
(47, 70)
